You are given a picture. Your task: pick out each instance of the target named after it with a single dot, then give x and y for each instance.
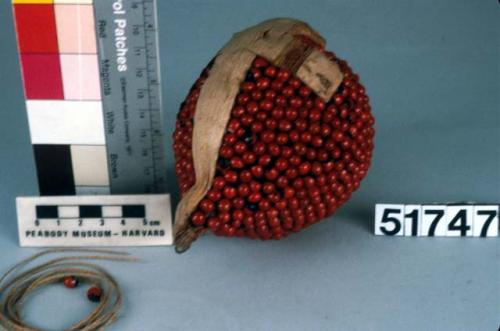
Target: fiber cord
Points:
(17, 285)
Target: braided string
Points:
(16, 286)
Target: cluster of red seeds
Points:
(288, 159)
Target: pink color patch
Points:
(42, 76)
(80, 77)
(75, 29)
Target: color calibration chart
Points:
(92, 87)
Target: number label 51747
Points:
(437, 220)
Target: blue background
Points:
(431, 69)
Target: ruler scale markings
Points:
(70, 212)
(47, 212)
(112, 211)
(157, 137)
(90, 211)
(113, 220)
(134, 211)
(67, 212)
(130, 100)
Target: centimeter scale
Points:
(111, 220)
(93, 96)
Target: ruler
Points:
(92, 85)
(128, 57)
(112, 220)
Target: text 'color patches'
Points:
(75, 29)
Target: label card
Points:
(412, 220)
(454, 220)
(459, 220)
(389, 220)
(106, 220)
(485, 221)
(434, 221)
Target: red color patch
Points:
(42, 76)
(36, 28)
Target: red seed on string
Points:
(94, 294)
(70, 282)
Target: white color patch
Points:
(154, 230)
(90, 165)
(459, 221)
(434, 221)
(389, 220)
(66, 122)
(486, 221)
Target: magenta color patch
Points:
(42, 76)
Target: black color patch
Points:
(54, 168)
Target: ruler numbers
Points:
(135, 145)
(149, 56)
(154, 99)
(93, 214)
(437, 220)
(108, 220)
